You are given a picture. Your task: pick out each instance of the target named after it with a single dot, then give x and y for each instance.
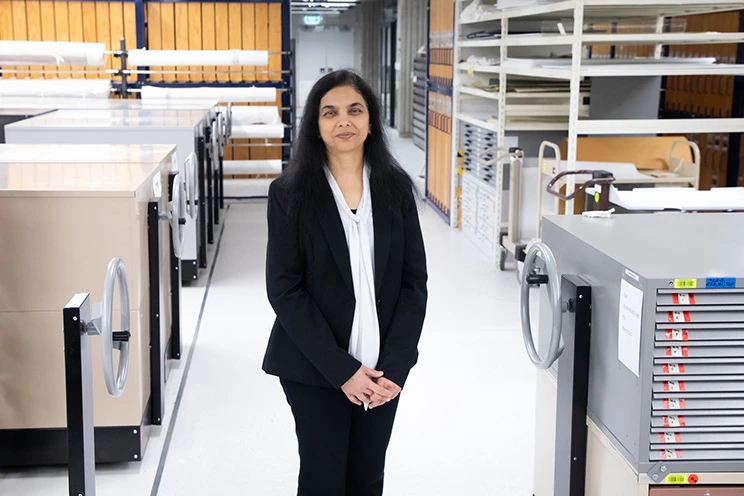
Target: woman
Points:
(346, 275)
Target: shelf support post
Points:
(575, 100)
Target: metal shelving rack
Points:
(581, 11)
(419, 100)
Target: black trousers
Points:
(342, 446)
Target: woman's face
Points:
(343, 120)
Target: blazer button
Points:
(378, 302)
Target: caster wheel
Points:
(502, 258)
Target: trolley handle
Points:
(599, 177)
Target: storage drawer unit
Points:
(666, 394)
(186, 129)
(62, 223)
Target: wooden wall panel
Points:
(154, 32)
(171, 25)
(20, 30)
(75, 23)
(223, 36)
(195, 36)
(275, 41)
(62, 26)
(6, 20)
(103, 28)
(33, 23)
(208, 36)
(116, 16)
(262, 35)
(130, 27)
(48, 30)
(90, 33)
(6, 29)
(181, 34)
(249, 37)
(168, 35)
(235, 33)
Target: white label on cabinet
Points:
(629, 326)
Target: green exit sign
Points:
(312, 20)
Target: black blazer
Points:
(309, 285)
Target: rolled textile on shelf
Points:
(55, 88)
(258, 131)
(252, 167)
(151, 58)
(254, 115)
(52, 53)
(226, 95)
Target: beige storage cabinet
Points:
(61, 224)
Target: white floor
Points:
(466, 418)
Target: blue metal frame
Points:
(442, 90)
(139, 12)
(286, 77)
(428, 79)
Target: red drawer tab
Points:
(677, 351)
(675, 404)
(676, 317)
(674, 386)
(671, 454)
(677, 335)
(673, 368)
(683, 298)
(670, 437)
(674, 421)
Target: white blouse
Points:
(360, 239)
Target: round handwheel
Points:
(177, 215)
(554, 295)
(190, 172)
(115, 384)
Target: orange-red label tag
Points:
(674, 404)
(677, 335)
(683, 298)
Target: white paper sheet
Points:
(679, 199)
(629, 327)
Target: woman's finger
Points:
(374, 388)
(372, 372)
(353, 399)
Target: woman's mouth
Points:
(345, 136)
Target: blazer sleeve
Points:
(295, 309)
(399, 352)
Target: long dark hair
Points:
(305, 174)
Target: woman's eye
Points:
(356, 111)
(330, 113)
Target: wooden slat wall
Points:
(75, 17)
(195, 35)
(439, 145)
(208, 36)
(183, 26)
(154, 32)
(181, 34)
(60, 20)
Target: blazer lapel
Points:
(383, 229)
(330, 221)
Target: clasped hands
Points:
(369, 386)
